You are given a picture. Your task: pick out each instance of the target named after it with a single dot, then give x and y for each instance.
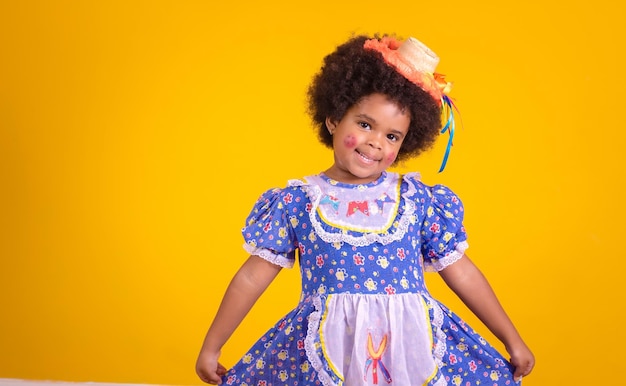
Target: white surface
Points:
(21, 382)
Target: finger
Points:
(215, 381)
(521, 371)
(528, 368)
(221, 370)
(211, 379)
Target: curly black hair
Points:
(351, 73)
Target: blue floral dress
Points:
(365, 316)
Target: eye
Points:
(365, 125)
(393, 137)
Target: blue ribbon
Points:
(382, 367)
(448, 109)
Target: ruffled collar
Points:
(359, 214)
(330, 181)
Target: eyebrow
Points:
(362, 115)
(367, 117)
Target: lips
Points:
(366, 157)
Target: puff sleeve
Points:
(443, 235)
(268, 233)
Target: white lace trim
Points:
(309, 343)
(315, 194)
(438, 265)
(268, 255)
(440, 336)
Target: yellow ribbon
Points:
(376, 354)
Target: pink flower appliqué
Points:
(319, 260)
(359, 259)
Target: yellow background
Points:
(136, 135)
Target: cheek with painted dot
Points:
(349, 142)
(391, 157)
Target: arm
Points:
(247, 285)
(471, 286)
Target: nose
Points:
(375, 140)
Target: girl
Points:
(364, 238)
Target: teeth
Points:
(365, 157)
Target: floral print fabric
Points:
(365, 316)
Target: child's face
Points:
(367, 139)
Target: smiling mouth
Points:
(366, 158)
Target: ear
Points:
(330, 125)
